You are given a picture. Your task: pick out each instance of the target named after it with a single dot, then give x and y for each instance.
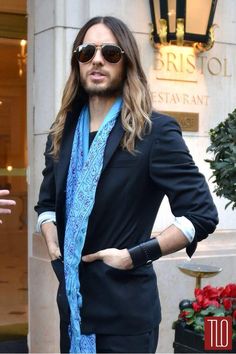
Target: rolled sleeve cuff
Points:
(47, 216)
(186, 226)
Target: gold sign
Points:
(188, 122)
(181, 64)
(13, 172)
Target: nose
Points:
(98, 57)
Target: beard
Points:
(114, 88)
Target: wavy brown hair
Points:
(136, 110)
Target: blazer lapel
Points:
(113, 141)
(66, 147)
(67, 141)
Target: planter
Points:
(188, 341)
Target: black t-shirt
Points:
(91, 137)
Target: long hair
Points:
(135, 114)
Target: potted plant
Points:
(223, 146)
(209, 301)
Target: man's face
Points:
(99, 77)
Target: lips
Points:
(97, 75)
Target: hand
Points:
(113, 257)
(54, 250)
(5, 203)
(49, 232)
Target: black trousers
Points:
(142, 343)
(105, 343)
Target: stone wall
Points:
(203, 85)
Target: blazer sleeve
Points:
(173, 171)
(47, 193)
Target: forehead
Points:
(99, 34)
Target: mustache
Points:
(99, 71)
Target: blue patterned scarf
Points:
(83, 176)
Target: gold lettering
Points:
(161, 98)
(159, 63)
(179, 98)
(191, 66)
(171, 57)
(173, 99)
(216, 60)
(188, 123)
(154, 94)
(181, 63)
(185, 99)
(167, 96)
(202, 64)
(199, 100)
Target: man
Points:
(5, 203)
(109, 163)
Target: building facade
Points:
(180, 83)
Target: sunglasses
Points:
(110, 52)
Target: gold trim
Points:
(151, 35)
(163, 31)
(202, 47)
(188, 121)
(15, 172)
(180, 32)
(166, 79)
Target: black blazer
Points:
(128, 196)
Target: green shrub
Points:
(223, 145)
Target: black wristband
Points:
(145, 253)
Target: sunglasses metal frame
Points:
(101, 46)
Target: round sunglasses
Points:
(110, 52)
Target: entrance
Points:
(13, 162)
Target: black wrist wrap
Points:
(145, 253)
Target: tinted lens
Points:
(85, 53)
(111, 53)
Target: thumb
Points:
(92, 257)
(58, 253)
